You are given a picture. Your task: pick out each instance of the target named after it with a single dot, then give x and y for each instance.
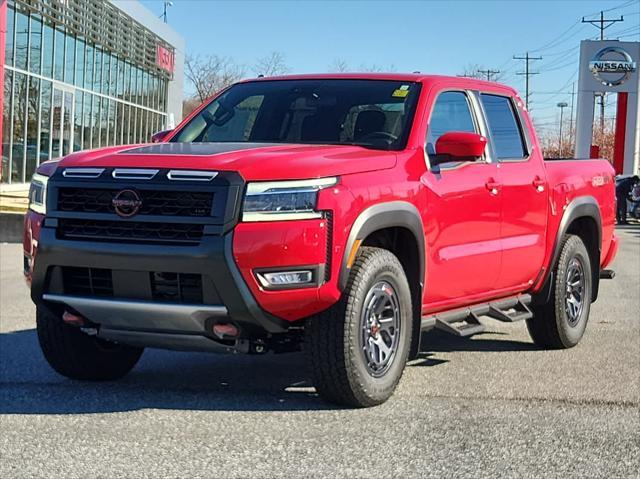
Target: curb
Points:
(11, 225)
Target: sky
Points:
(429, 36)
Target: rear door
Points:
(463, 212)
(524, 192)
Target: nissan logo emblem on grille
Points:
(127, 203)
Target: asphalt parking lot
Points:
(483, 407)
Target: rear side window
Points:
(450, 113)
(504, 127)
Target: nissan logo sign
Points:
(612, 66)
(126, 203)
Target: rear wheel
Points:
(77, 355)
(560, 322)
(358, 349)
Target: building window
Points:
(20, 86)
(47, 51)
(45, 119)
(5, 173)
(69, 58)
(86, 123)
(79, 66)
(9, 38)
(36, 44)
(58, 54)
(22, 40)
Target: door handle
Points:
(493, 186)
(538, 183)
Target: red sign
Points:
(165, 58)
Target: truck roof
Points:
(426, 79)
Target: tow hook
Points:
(73, 319)
(79, 321)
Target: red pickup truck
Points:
(338, 214)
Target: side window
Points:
(450, 113)
(504, 127)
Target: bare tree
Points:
(475, 70)
(339, 65)
(211, 73)
(375, 68)
(271, 65)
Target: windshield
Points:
(370, 113)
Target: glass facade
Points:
(78, 75)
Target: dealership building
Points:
(80, 74)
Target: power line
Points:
(488, 73)
(617, 7)
(527, 73)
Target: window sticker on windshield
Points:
(401, 92)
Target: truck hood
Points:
(254, 161)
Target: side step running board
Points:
(607, 274)
(466, 321)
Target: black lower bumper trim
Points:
(212, 258)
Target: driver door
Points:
(463, 215)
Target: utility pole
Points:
(562, 105)
(602, 24)
(488, 73)
(600, 95)
(602, 21)
(573, 94)
(527, 73)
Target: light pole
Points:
(562, 105)
(164, 13)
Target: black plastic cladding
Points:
(212, 257)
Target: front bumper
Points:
(131, 316)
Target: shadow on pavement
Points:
(183, 381)
(440, 342)
(162, 380)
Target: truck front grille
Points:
(154, 202)
(130, 231)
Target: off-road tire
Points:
(332, 339)
(77, 355)
(550, 327)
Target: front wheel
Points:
(77, 355)
(560, 322)
(358, 349)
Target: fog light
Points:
(280, 279)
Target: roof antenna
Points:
(261, 75)
(416, 71)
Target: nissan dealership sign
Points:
(612, 66)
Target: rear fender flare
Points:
(580, 207)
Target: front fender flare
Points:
(384, 215)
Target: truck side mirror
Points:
(159, 136)
(459, 146)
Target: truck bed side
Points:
(572, 180)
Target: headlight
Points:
(38, 193)
(283, 200)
